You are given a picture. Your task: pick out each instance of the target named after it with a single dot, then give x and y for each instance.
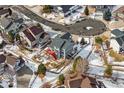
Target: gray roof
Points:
(60, 43)
(66, 36)
(6, 23)
(66, 8)
(119, 37)
(57, 42)
(68, 45)
(117, 32)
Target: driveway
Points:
(23, 77)
(79, 28)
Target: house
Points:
(83, 81)
(32, 35)
(117, 40)
(69, 12)
(62, 45)
(10, 24)
(102, 8)
(4, 12)
(8, 60)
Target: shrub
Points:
(41, 69)
(117, 57)
(108, 70)
(11, 36)
(61, 79)
(98, 40)
(47, 9)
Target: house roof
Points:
(66, 8)
(6, 22)
(36, 30)
(88, 82)
(67, 44)
(11, 60)
(117, 32)
(57, 42)
(75, 83)
(29, 35)
(119, 36)
(60, 43)
(82, 81)
(67, 36)
(4, 11)
(19, 20)
(119, 40)
(2, 58)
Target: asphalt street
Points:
(78, 28)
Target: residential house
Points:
(62, 45)
(7, 60)
(69, 12)
(102, 8)
(32, 35)
(83, 81)
(10, 24)
(117, 40)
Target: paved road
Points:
(77, 28)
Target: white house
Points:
(69, 13)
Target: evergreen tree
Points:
(107, 15)
(108, 70)
(86, 11)
(47, 9)
(41, 69)
(99, 40)
(61, 79)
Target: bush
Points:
(47, 9)
(18, 37)
(98, 40)
(61, 79)
(117, 57)
(41, 69)
(108, 70)
(11, 36)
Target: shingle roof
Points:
(29, 35)
(2, 58)
(57, 42)
(117, 32)
(11, 60)
(4, 11)
(66, 8)
(60, 43)
(6, 22)
(66, 36)
(36, 30)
